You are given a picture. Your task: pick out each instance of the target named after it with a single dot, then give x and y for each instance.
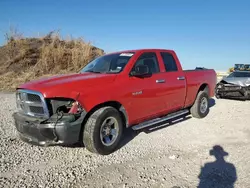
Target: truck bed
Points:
(193, 80)
(197, 69)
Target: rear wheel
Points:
(103, 131)
(200, 107)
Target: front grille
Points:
(233, 94)
(37, 109)
(31, 103)
(33, 97)
(228, 87)
(232, 88)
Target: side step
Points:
(159, 120)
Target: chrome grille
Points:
(31, 103)
(36, 109)
(33, 97)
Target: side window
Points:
(169, 62)
(149, 59)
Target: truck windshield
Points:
(239, 74)
(111, 63)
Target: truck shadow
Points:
(130, 134)
(211, 102)
(233, 99)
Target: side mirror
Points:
(140, 71)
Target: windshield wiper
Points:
(109, 72)
(93, 71)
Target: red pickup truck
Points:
(135, 88)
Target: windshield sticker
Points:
(127, 54)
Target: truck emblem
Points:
(137, 93)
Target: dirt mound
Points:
(25, 59)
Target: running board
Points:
(160, 120)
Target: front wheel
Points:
(103, 131)
(200, 107)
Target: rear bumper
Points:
(35, 131)
(233, 92)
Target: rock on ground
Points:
(168, 156)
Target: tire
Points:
(97, 142)
(196, 110)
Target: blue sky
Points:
(209, 33)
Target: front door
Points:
(146, 94)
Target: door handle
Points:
(160, 81)
(181, 78)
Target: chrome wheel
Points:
(109, 131)
(204, 105)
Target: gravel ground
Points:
(169, 156)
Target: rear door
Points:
(175, 83)
(146, 94)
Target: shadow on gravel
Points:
(218, 173)
(130, 134)
(233, 99)
(211, 102)
(165, 124)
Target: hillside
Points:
(25, 59)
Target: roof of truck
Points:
(142, 49)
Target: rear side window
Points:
(169, 62)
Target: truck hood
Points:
(56, 86)
(241, 81)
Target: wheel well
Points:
(114, 104)
(204, 87)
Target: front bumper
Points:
(232, 92)
(38, 132)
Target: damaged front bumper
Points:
(232, 91)
(54, 131)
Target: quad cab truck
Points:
(128, 89)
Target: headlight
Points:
(219, 86)
(20, 97)
(248, 82)
(65, 105)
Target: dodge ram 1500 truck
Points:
(135, 88)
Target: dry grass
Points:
(24, 59)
